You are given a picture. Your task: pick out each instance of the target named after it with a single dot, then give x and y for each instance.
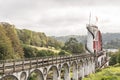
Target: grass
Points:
(110, 73)
(44, 48)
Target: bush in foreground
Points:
(111, 73)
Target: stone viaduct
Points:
(73, 67)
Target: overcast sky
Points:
(61, 17)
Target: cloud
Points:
(88, 2)
(60, 17)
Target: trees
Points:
(73, 46)
(29, 52)
(10, 47)
(25, 36)
(44, 53)
(118, 57)
(12, 35)
(54, 43)
(115, 58)
(39, 39)
(6, 50)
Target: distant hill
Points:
(79, 38)
(110, 40)
(107, 37)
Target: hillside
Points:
(14, 42)
(107, 37)
(39, 39)
(66, 38)
(44, 48)
(110, 40)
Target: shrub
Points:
(109, 78)
(29, 52)
(43, 53)
(62, 52)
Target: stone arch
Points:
(91, 59)
(64, 72)
(80, 70)
(102, 60)
(66, 66)
(52, 73)
(59, 67)
(23, 76)
(85, 65)
(80, 62)
(45, 71)
(73, 71)
(37, 74)
(74, 63)
(9, 77)
(89, 66)
(86, 61)
(98, 63)
(93, 64)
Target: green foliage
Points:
(115, 58)
(109, 78)
(62, 52)
(37, 39)
(111, 73)
(43, 53)
(33, 76)
(12, 35)
(6, 50)
(29, 52)
(118, 57)
(73, 46)
(32, 38)
(11, 40)
(10, 47)
(54, 43)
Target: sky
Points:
(61, 17)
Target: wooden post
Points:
(3, 67)
(30, 64)
(23, 64)
(60, 59)
(37, 63)
(63, 60)
(69, 59)
(56, 59)
(13, 65)
(48, 61)
(52, 60)
(43, 62)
